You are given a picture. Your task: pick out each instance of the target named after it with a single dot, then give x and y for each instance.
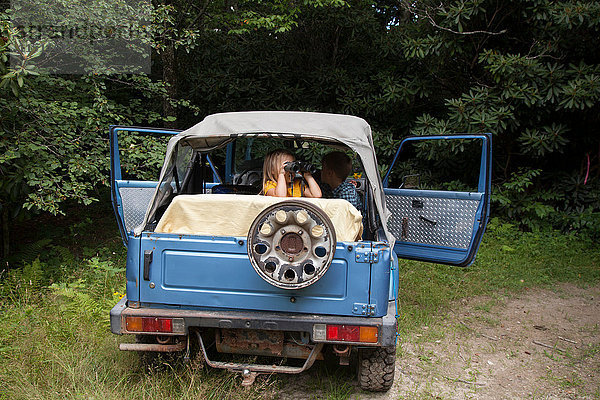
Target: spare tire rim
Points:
(291, 244)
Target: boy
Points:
(336, 168)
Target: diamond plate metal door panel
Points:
(433, 221)
(135, 202)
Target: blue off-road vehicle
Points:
(215, 266)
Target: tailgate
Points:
(215, 272)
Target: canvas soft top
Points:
(218, 129)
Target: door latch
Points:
(429, 221)
(147, 261)
(418, 204)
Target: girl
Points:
(277, 182)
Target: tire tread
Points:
(376, 368)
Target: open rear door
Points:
(132, 186)
(438, 191)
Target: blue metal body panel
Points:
(435, 194)
(135, 184)
(215, 272)
(380, 277)
(394, 278)
(229, 161)
(132, 268)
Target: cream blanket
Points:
(232, 215)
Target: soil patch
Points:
(540, 344)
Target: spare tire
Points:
(291, 244)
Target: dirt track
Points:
(541, 344)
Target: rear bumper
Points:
(259, 320)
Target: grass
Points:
(57, 345)
(508, 262)
(565, 382)
(55, 342)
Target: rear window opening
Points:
(237, 169)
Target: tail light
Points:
(346, 333)
(153, 324)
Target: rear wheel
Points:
(376, 367)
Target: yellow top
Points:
(297, 189)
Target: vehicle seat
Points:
(235, 189)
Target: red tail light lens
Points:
(165, 325)
(157, 324)
(344, 333)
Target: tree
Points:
(54, 146)
(529, 72)
(423, 68)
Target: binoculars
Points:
(296, 167)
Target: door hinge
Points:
(365, 255)
(364, 309)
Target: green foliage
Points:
(54, 145)
(432, 69)
(524, 72)
(93, 294)
(568, 203)
(520, 203)
(527, 72)
(55, 342)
